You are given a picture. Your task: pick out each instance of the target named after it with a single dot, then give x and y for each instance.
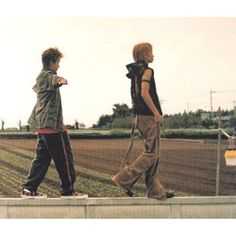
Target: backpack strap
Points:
(125, 160)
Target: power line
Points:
(225, 91)
(183, 99)
(218, 91)
(190, 100)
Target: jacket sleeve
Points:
(52, 81)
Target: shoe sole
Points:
(75, 197)
(33, 197)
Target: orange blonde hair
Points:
(140, 51)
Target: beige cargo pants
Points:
(147, 162)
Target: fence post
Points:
(218, 154)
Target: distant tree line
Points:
(195, 120)
(27, 128)
(122, 118)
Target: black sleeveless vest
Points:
(136, 71)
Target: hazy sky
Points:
(191, 57)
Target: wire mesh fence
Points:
(186, 166)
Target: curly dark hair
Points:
(50, 55)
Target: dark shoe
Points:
(129, 192)
(170, 194)
(26, 193)
(75, 195)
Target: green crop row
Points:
(14, 165)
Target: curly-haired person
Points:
(52, 137)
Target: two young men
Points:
(53, 141)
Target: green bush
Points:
(125, 133)
(191, 134)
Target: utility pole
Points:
(211, 92)
(218, 154)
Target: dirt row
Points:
(187, 166)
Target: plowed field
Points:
(187, 167)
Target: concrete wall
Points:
(178, 207)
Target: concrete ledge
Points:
(178, 207)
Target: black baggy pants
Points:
(57, 147)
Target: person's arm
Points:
(57, 80)
(145, 87)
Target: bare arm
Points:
(146, 96)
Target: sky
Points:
(192, 56)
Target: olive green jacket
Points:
(47, 112)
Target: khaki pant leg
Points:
(154, 187)
(130, 174)
(145, 163)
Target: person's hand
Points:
(62, 81)
(158, 117)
